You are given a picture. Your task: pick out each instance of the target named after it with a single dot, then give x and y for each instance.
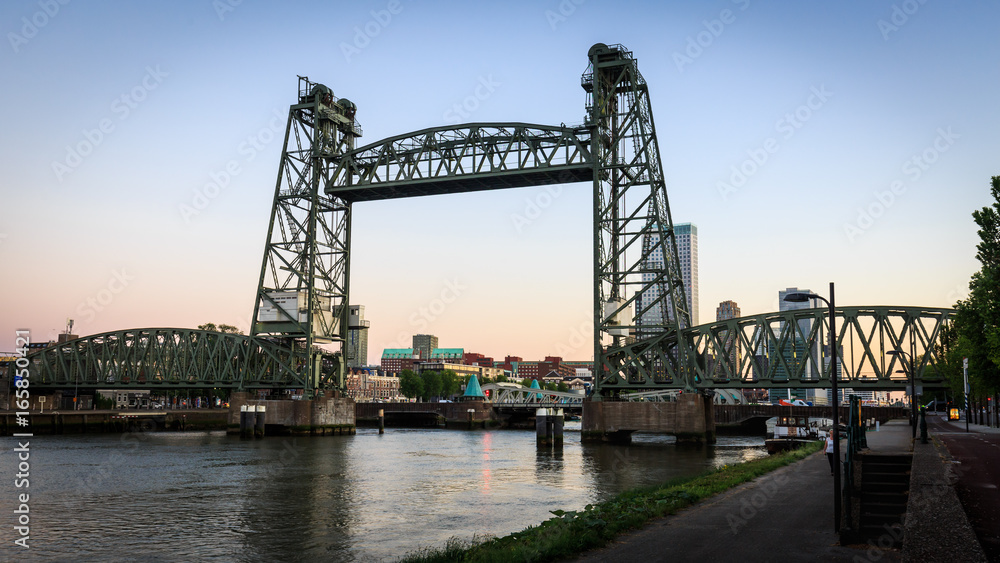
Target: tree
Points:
(450, 383)
(410, 384)
(432, 383)
(977, 321)
(228, 329)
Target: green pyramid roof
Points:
(534, 384)
(473, 389)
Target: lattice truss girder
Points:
(165, 358)
(501, 395)
(790, 350)
(640, 297)
(463, 158)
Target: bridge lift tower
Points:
(640, 305)
(303, 291)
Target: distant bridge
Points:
(162, 358)
(511, 396)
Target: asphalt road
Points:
(978, 473)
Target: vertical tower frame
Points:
(303, 290)
(639, 298)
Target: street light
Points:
(802, 297)
(913, 388)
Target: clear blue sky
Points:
(853, 99)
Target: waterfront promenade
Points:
(787, 515)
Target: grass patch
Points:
(569, 533)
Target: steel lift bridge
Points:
(643, 340)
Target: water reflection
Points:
(549, 466)
(200, 496)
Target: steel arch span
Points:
(164, 358)
(790, 349)
(464, 158)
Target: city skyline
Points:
(808, 143)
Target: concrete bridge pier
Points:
(319, 416)
(549, 428)
(690, 418)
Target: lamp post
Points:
(913, 388)
(802, 297)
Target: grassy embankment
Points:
(571, 533)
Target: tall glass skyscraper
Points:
(687, 253)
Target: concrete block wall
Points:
(298, 415)
(690, 418)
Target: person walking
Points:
(829, 451)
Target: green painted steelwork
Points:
(165, 358)
(463, 158)
(303, 290)
(787, 350)
(639, 295)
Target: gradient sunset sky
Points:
(809, 142)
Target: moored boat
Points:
(790, 432)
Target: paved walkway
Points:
(786, 515)
(971, 471)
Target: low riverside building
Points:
(482, 372)
(395, 360)
(364, 386)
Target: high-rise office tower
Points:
(424, 344)
(729, 310)
(687, 254)
(795, 351)
(357, 337)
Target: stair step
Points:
(884, 506)
(885, 477)
(878, 521)
(883, 513)
(884, 488)
(880, 496)
(880, 537)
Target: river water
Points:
(209, 496)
